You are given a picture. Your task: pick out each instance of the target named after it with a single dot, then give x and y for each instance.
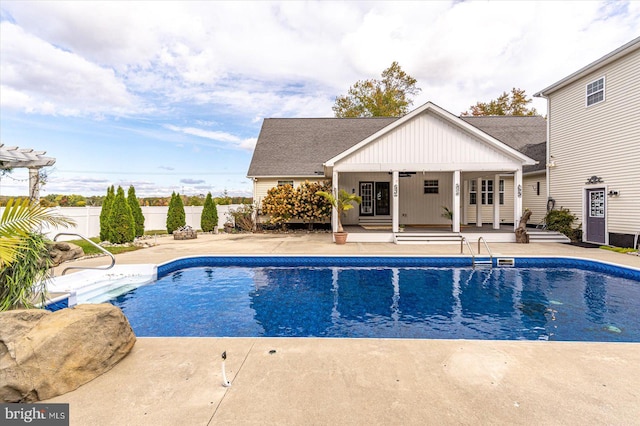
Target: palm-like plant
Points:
(344, 202)
(24, 258)
(19, 219)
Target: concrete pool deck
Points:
(168, 381)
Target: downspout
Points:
(547, 165)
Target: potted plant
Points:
(448, 214)
(342, 203)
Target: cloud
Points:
(192, 181)
(224, 137)
(38, 77)
(169, 168)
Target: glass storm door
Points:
(366, 192)
(382, 199)
(596, 215)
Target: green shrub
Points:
(562, 221)
(105, 226)
(136, 210)
(209, 219)
(242, 217)
(123, 227)
(22, 283)
(175, 215)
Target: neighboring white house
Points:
(594, 146)
(406, 169)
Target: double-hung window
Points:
(595, 91)
(431, 186)
(486, 192)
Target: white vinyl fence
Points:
(155, 218)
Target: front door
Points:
(382, 199)
(375, 199)
(596, 215)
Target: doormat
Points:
(376, 227)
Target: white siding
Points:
(530, 198)
(601, 140)
(427, 143)
(417, 208)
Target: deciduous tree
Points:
(389, 97)
(514, 103)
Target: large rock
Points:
(61, 252)
(44, 354)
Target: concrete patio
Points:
(168, 381)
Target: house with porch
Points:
(408, 169)
(593, 153)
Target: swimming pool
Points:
(547, 299)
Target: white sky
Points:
(171, 96)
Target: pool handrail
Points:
(73, 234)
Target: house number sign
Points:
(395, 190)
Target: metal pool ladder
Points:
(474, 261)
(72, 234)
(485, 262)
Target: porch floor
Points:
(486, 228)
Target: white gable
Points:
(428, 141)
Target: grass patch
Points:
(156, 232)
(90, 249)
(618, 249)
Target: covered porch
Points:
(430, 172)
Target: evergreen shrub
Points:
(209, 219)
(136, 210)
(175, 215)
(105, 227)
(123, 226)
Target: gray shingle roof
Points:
(527, 134)
(299, 146)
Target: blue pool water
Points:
(396, 300)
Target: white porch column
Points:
(496, 202)
(395, 201)
(334, 213)
(456, 201)
(465, 205)
(517, 197)
(479, 202)
(34, 190)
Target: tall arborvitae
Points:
(105, 226)
(209, 219)
(123, 227)
(175, 215)
(136, 210)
